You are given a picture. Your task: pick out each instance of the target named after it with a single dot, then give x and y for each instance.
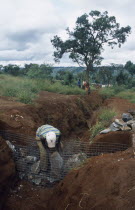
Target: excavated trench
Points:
(75, 152)
(78, 114)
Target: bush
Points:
(104, 120)
(11, 92)
(99, 126)
(106, 115)
(25, 89)
(25, 97)
(118, 89)
(107, 92)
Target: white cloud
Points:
(28, 25)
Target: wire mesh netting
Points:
(27, 157)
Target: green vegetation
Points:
(106, 116)
(96, 129)
(119, 91)
(104, 120)
(25, 90)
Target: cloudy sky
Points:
(27, 26)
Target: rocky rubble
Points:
(127, 123)
(29, 167)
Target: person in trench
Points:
(49, 141)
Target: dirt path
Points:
(120, 105)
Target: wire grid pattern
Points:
(27, 157)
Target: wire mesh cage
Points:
(27, 157)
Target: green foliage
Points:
(10, 91)
(25, 90)
(25, 97)
(68, 79)
(107, 92)
(96, 129)
(104, 119)
(12, 69)
(122, 78)
(130, 67)
(86, 41)
(106, 116)
(42, 71)
(127, 94)
(104, 76)
(119, 91)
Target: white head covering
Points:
(51, 139)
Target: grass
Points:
(106, 115)
(25, 90)
(105, 118)
(107, 92)
(119, 91)
(96, 129)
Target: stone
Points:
(119, 122)
(132, 112)
(21, 175)
(56, 164)
(75, 161)
(125, 128)
(21, 165)
(114, 128)
(133, 127)
(35, 168)
(30, 159)
(23, 152)
(130, 122)
(126, 117)
(105, 130)
(11, 146)
(37, 180)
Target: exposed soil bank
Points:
(120, 137)
(103, 182)
(7, 171)
(70, 114)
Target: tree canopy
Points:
(130, 67)
(86, 42)
(39, 71)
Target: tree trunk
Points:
(87, 74)
(88, 69)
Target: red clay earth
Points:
(104, 182)
(7, 170)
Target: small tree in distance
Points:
(87, 39)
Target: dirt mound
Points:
(70, 114)
(120, 137)
(7, 170)
(104, 182)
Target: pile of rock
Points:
(127, 123)
(29, 167)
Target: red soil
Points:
(103, 182)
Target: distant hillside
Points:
(73, 69)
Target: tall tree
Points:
(12, 69)
(130, 67)
(87, 39)
(40, 71)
